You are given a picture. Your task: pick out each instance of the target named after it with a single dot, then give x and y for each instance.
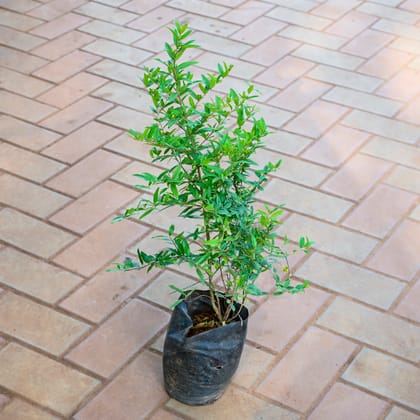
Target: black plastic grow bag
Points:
(197, 369)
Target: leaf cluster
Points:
(207, 143)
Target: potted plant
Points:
(207, 142)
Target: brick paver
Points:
(339, 83)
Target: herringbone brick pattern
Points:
(340, 86)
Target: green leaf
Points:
(186, 64)
(174, 190)
(169, 51)
(302, 242)
(146, 213)
(254, 290)
(146, 176)
(156, 196)
(176, 303)
(171, 230)
(212, 242)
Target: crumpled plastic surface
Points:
(197, 369)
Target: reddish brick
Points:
(385, 375)
(27, 164)
(29, 197)
(295, 17)
(126, 118)
(271, 50)
(367, 43)
(316, 119)
(332, 239)
(155, 41)
(109, 14)
(97, 298)
(333, 148)
(93, 207)
(95, 249)
(22, 84)
(274, 117)
(55, 8)
(394, 257)
(81, 142)
(114, 342)
(24, 134)
(19, 40)
(405, 178)
(363, 101)
(293, 169)
(20, 61)
(305, 200)
(351, 24)
(356, 176)
(63, 45)
(24, 108)
(351, 280)
(126, 96)
(254, 362)
(284, 72)
(117, 51)
(265, 328)
(372, 327)
(411, 113)
(199, 7)
(76, 115)
(110, 31)
(66, 66)
(234, 404)
(218, 44)
(126, 175)
(241, 69)
(72, 89)
(37, 324)
(301, 375)
(122, 398)
(299, 94)
(247, 12)
(412, 5)
(258, 30)
(284, 142)
(31, 234)
(19, 5)
(35, 277)
(159, 291)
(409, 306)
(142, 7)
(328, 57)
(335, 9)
(344, 402)
(386, 63)
(368, 218)
(118, 71)
(386, 127)
(398, 413)
(88, 172)
(155, 19)
(63, 388)
(210, 25)
(60, 25)
(19, 409)
(164, 415)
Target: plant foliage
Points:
(207, 143)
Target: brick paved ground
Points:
(340, 84)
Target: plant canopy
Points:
(206, 144)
